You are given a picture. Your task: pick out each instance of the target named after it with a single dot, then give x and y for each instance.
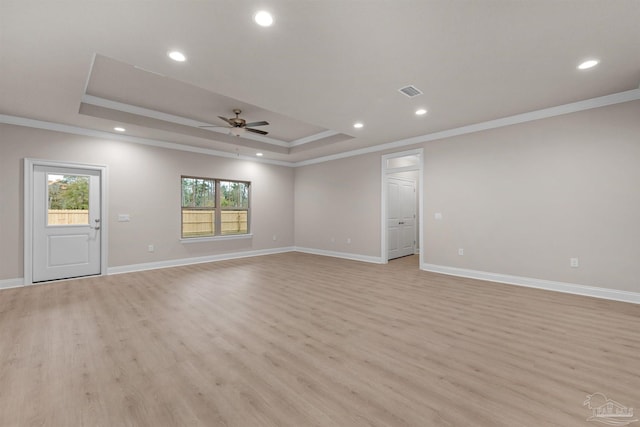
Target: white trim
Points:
(158, 115)
(603, 101)
(74, 130)
(172, 118)
(390, 171)
(198, 260)
(569, 288)
(311, 138)
(29, 165)
(12, 283)
(343, 255)
(419, 152)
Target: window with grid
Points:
(214, 207)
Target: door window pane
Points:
(67, 199)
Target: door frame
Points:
(29, 166)
(386, 172)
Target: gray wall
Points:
(520, 200)
(144, 182)
(341, 200)
(523, 199)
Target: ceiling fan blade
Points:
(258, 131)
(262, 123)
(226, 120)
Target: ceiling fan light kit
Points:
(236, 131)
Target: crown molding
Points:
(158, 115)
(588, 104)
(76, 130)
(602, 101)
(311, 138)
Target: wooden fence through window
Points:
(68, 217)
(200, 223)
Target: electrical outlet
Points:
(574, 262)
(151, 248)
(438, 215)
(348, 240)
(275, 237)
(460, 251)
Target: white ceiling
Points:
(322, 66)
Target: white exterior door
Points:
(66, 222)
(401, 217)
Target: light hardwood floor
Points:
(303, 340)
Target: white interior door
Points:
(66, 222)
(401, 217)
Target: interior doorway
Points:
(401, 205)
(401, 217)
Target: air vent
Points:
(410, 91)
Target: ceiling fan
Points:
(238, 126)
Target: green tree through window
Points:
(70, 192)
(234, 194)
(198, 192)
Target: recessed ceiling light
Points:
(263, 18)
(358, 125)
(259, 154)
(421, 112)
(119, 129)
(177, 56)
(588, 64)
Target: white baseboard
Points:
(568, 288)
(197, 260)
(11, 283)
(344, 255)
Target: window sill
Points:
(216, 238)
